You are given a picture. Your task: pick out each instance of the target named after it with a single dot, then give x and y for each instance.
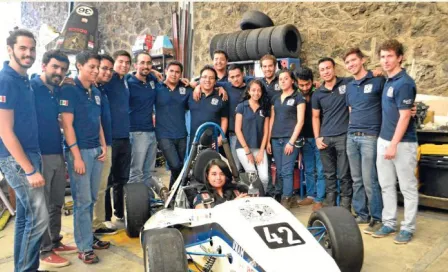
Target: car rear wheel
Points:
(136, 207)
(164, 251)
(336, 230)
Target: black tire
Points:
(241, 45)
(286, 41)
(342, 238)
(164, 251)
(136, 207)
(222, 42)
(231, 46)
(264, 41)
(252, 44)
(254, 19)
(214, 43)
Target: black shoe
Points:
(98, 244)
(278, 197)
(105, 231)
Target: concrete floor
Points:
(427, 252)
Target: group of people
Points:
(354, 133)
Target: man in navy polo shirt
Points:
(80, 107)
(331, 134)
(118, 93)
(397, 145)
(142, 85)
(99, 223)
(364, 102)
(314, 175)
(171, 104)
(270, 80)
(20, 160)
(210, 107)
(46, 90)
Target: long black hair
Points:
(264, 100)
(228, 188)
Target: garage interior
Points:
(326, 29)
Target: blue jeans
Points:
(31, 213)
(314, 174)
(174, 152)
(285, 165)
(361, 152)
(143, 162)
(84, 192)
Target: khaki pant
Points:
(99, 207)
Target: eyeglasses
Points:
(107, 69)
(206, 77)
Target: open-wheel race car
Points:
(245, 234)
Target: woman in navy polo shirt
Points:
(252, 130)
(287, 117)
(80, 107)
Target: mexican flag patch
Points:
(63, 102)
(2, 99)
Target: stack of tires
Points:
(257, 38)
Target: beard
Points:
(19, 61)
(144, 72)
(50, 79)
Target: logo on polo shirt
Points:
(342, 89)
(215, 101)
(182, 90)
(261, 113)
(390, 92)
(2, 99)
(407, 101)
(290, 102)
(276, 87)
(368, 88)
(152, 84)
(63, 103)
(97, 100)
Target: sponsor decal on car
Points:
(256, 212)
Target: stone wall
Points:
(119, 22)
(327, 29)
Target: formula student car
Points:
(247, 234)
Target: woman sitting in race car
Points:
(218, 181)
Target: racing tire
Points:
(164, 250)
(231, 46)
(241, 45)
(254, 19)
(222, 42)
(252, 44)
(214, 43)
(342, 238)
(286, 41)
(136, 207)
(264, 42)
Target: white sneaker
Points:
(110, 225)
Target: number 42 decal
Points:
(279, 235)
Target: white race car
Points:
(248, 234)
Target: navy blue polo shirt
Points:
(235, 95)
(118, 93)
(364, 97)
(141, 102)
(86, 113)
(16, 94)
(170, 111)
(307, 129)
(272, 88)
(209, 108)
(398, 94)
(106, 117)
(285, 114)
(333, 107)
(47, 111)
(252, 125)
